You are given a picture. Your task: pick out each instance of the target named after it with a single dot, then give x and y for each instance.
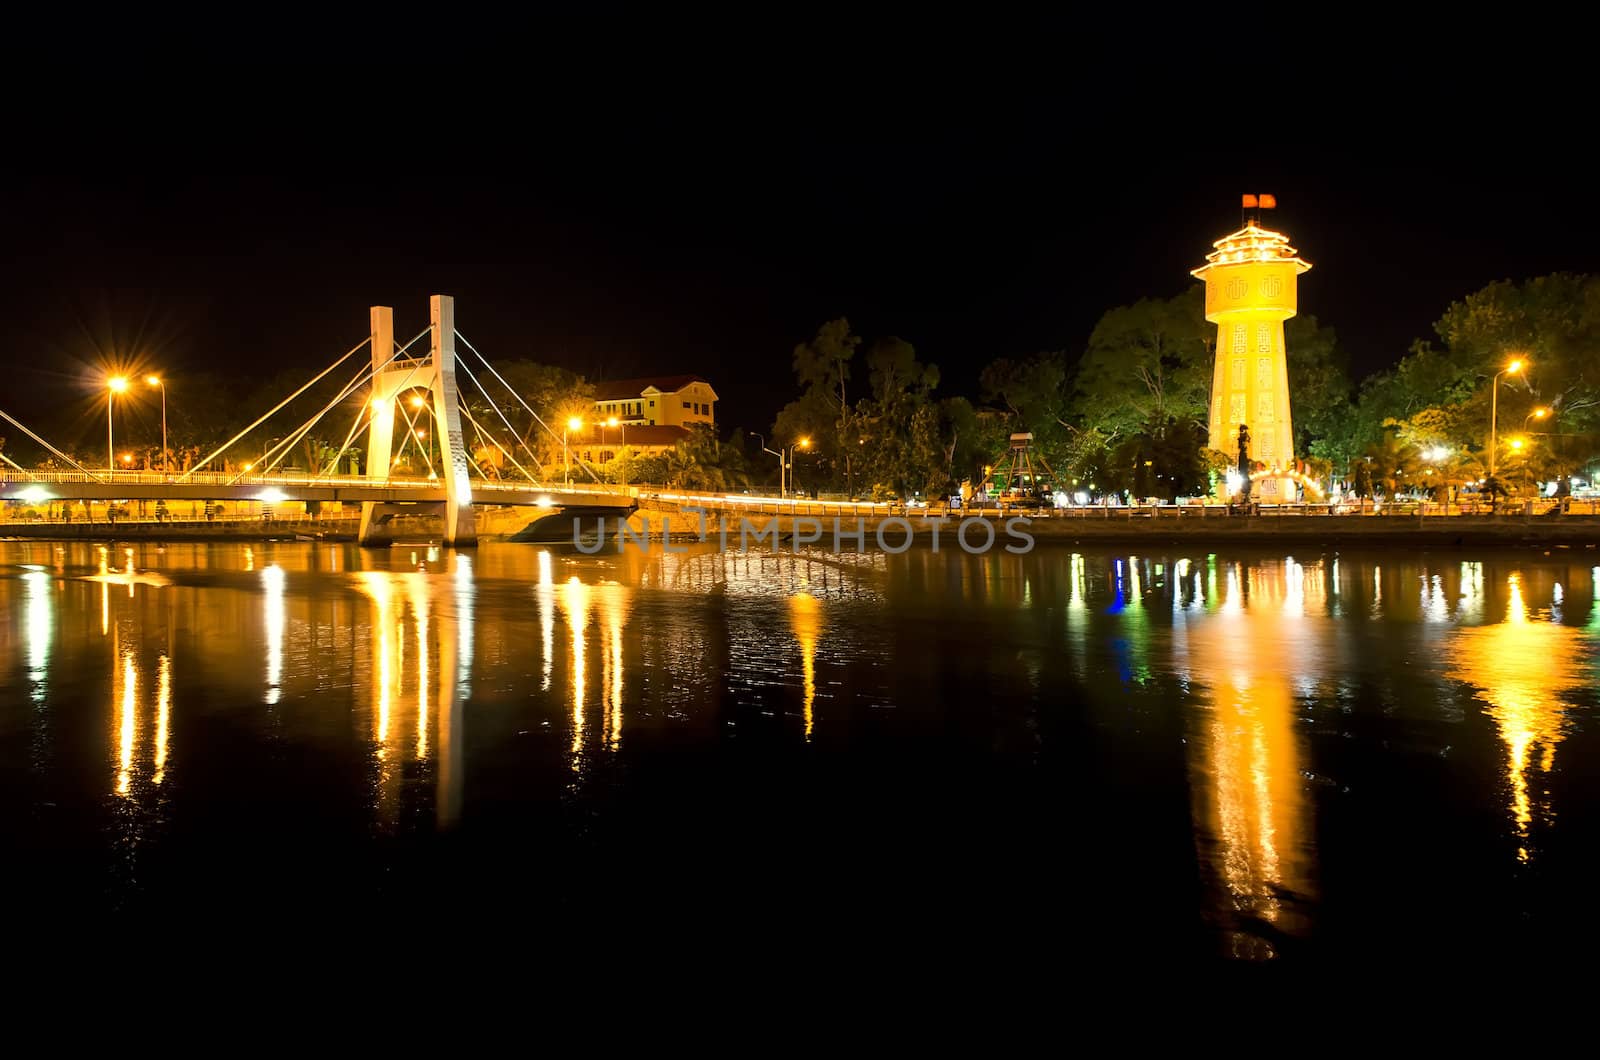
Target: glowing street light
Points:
(416, 401)
(160, 384)
(117, 384)
(612, 422)
(805, 443)
(1513, 368)
(573, 424)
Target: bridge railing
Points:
(11, 476)
(676, 500)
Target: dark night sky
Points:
(626, 234)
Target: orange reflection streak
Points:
(39, 623)
(126, 722)
(575, 601)
(163, 714)
(376, 585)
(1251, 813)
(128, 555)
(547, 618)
(805, 620)
(272, 578)
(105, 593)
(1521, 668)
(417, 591)
(613, 616)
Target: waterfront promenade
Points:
(1571, 524)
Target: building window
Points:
(1238, 373)
(1263, 371)
(1263, 338)
(1236, 410)
(1267, 446)
(685, 404)
(1238, 338)
(652, 402)
(1264, 408)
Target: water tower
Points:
(1250, 279)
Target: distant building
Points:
(656, 401)
(598, 444)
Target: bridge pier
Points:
(437, 374)
(377, 523)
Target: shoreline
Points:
(1433, 531)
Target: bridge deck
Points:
(41, 486)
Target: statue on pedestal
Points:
(1244, 462)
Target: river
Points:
(1244, 755)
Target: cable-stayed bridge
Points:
(397, 390)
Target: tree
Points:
(702, 462)
(822, 412)
(1319, 382)
(1148, 363)
(897, 430)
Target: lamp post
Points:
(157, 382)
(805, 443)
(115, 385)
(1494, 407)
(1517, 445)
(574, 424)
(781, 491)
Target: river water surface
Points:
(1245, 755)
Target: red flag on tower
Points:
(1249, 202)
(1268, 202)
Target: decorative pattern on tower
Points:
(1250, 279)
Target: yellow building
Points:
(664, 401)
(1250, 282)
(599, 443)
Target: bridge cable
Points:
(355, 426)
(316, 379)
(480, 441)
(404, 384)
(412, 437)
(582, 463)
(19, 425)
(293, 438)
(500, 447)
(499, 412)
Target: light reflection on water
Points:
(1255, 666)
(1526, 669)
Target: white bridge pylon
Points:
(393, 376)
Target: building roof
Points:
(1251, 243)
(624, 389)
(635, 436)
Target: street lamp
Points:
(157, 382)
(612, 422)
(805, 443)
(1494, 406)
(115, 385)
(574, 424)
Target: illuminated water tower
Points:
(1250, 291)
